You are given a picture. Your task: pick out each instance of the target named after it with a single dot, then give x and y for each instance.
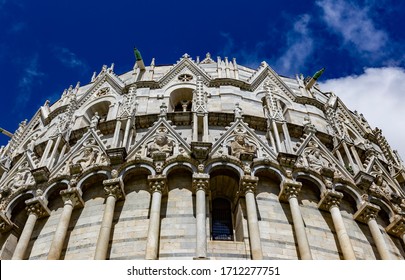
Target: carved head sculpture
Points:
(240, 138)
(161, 139)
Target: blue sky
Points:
(46, 46)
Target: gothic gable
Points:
(313, 155)
(181, 69)
(266, 73)
(107, 83)
(19, 177)
(232, 144)
(161, 142)
(89, 151)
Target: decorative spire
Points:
(314, 79)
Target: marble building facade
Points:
(202, 159)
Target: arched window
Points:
(181, 100)
(222, 220)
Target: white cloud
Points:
(300, 46)
(378, 93)
(353, 24)
(30, 75)
(68, 58)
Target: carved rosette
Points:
(330, 198)
(5, 223)
(248, 183)
(73, 196)
(366, 212)
(397, 226)
(289, 189)
(37, 206)
(157, 183)
(201, 181)
(114, 187)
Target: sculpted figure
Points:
(87, 158)
(240, 147)
(161, 145)
(94, 120)
(316, 161)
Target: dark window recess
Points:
(221, 220)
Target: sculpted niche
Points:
(160, 146)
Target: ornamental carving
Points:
(241, 148)
(161, 145)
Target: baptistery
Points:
(201, 159)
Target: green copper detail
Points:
(137, 54)
(318, 74)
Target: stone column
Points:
(206, 131)
(248, 186)
(72, 197)
(287, 137)
(157, 184)
(126, 133)
(54, 151)
(36, 208)
(349, 156)
(276, 135)
(195, 127)
(46, 152)
(367, 214)
(397, 227)
(116, 134)
(330, 201)
(357, 158)
(114, 190)
(200, 185)
(289, 192)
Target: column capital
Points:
(157, 183)
(289, 189)
(5, 223)
(72, 195)
(397, 226)
(37, 206)
(201, 181)
(114, 187)
(248, 183)
(366, 212)
(329, 199)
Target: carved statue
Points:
(94, 120)
(87, 158)
(161, 145)
(240, 147)
(316, 161)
